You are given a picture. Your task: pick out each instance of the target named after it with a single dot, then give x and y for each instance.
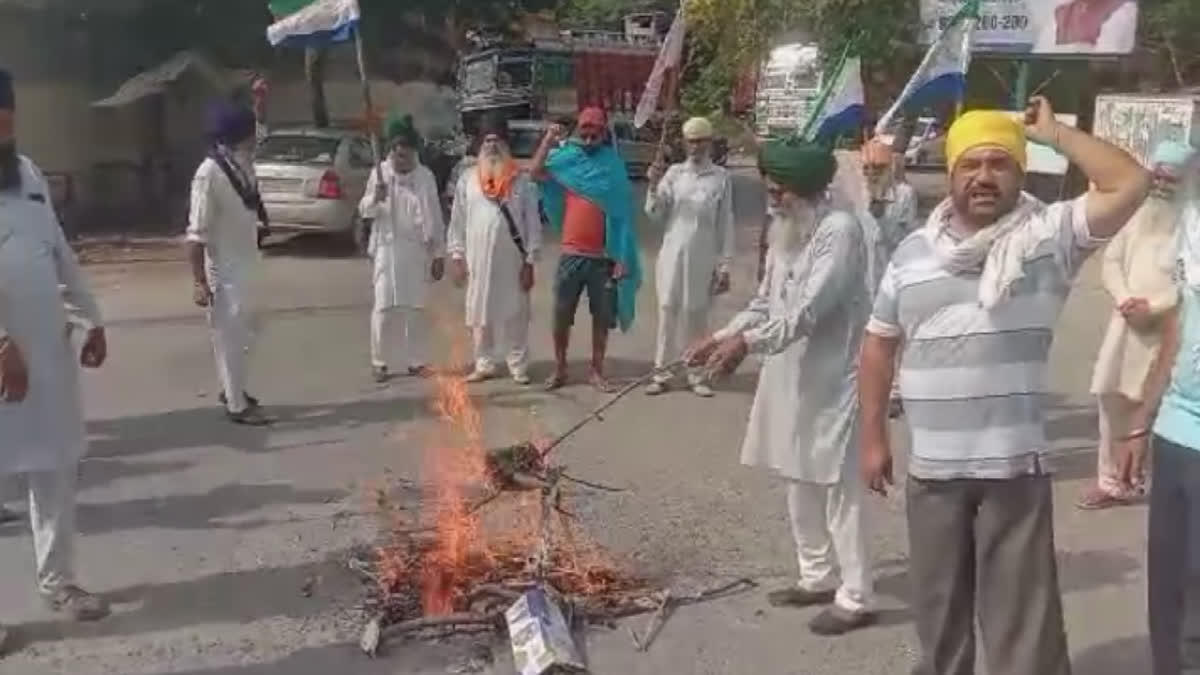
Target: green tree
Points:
(1168, 31)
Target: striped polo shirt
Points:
(974, 380)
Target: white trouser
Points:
(827, 526)
(52, 521)
(1115, 413)
(678, 329)
(408, 324)
(230, 325)
(512, 335)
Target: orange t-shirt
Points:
(583, 227)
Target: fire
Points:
(442, 564)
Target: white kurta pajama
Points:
(221, 221)
(43, 436)
(497, 309)
(406, 235)
(1137, 264)
(697, 204)
(808, 317)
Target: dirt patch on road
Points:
(125, 251)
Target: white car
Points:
(311, 180)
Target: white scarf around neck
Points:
(997, 253)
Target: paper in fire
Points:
(541, 639)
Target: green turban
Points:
(804, 168)
(400, 129)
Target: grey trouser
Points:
(984, 550)
(1174, 560)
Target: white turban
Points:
(697, 128)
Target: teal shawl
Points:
(602, 179)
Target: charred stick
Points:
(450, 620)
(657, 620)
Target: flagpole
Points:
(827, 90)
(370, 108)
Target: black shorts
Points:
(576, 274)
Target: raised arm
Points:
(1119, 183)
(554, 135)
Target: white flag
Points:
(669, 56)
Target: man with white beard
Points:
(1138, 272)
(695, 197)
(494, 240)
(42, 293)
(407, 240)
(808, 318)
(222, 240)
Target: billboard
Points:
(1043, 27)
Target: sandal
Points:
(601, 384)
(1095, 499)
(557, 381)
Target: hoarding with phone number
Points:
(1043, 27)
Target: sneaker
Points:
(78, 604)
(380, 374)
(656, 389)
(250, 417)
(420, 371)
(835, 621)
(522, 379)
(703, 390)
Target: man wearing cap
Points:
(695, 197)
(42, 292)
(495, 238)
(973, 298)
(1138, 271)
(1166, 424)
(807, 319)
(222, 241)
(406, 249)
(588, 197)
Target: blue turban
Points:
(230, 124)
(1172, 153)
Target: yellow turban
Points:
(992, 128)
(697, 128)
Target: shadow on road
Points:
(235, 597)
(1118, 657)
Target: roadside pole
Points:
(369, 107)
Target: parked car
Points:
(311, 180)
(926, 147)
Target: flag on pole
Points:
(309, 23)
(842, 107)
(942, 74)
(670, 55)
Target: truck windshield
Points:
(298, 149)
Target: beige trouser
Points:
(831, 545)
(1115, 412)
(512, 335)
(678, 329)
(51, 497)
(402, 329)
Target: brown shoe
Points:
(798, 597)
(78, 604)
(835, 621)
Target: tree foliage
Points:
(1168, 31)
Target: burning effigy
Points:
(494, 545)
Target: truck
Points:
(788, 86)
(1139, 122)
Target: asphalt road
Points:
(206, 536)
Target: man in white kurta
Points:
(1138, 272)
(807, 318)
(406, 250)
(222, 240)
(695, 198)
(495, 238)
(42, 292)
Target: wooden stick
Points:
(455, 620)
(370, 109)
(657, 620)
